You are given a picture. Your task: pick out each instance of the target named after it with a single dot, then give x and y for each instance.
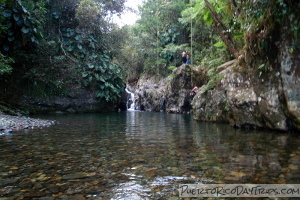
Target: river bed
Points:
(139, 155)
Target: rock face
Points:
(170, 94)
(290, 78)
(263, 96)
(150, 95)
(253, 98)
(77, 101)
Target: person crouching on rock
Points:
(194, 91)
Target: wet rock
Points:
(151, 172)
(43, 177)
(169, 94)
(246, 98)
(57, 188)
(78, 100)
(9, 123)
(35, 194)
(47, 198)
(76, 197)
(8, 182)
(26, 184)
(289, 73)
(8, 131)
(93, 190)
(210, 105)
(9, 190)
(74, 176)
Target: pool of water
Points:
(139, 155)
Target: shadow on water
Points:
(139, 155)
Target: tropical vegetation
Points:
(48, 46)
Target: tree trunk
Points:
(221, 29)
(237, 10)
(225, 40)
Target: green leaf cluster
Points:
(5, 65)
(24, 21)
(105, 76)
(60, 44)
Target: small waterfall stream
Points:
(130, 102)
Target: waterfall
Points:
(130, 101)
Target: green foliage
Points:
(5, 65)
(210, 64)
(220, 44)
(86, 45)
(89, 15)
(94, 63)
(206, 43)
(213, 81)
(260, 22)
(24, 21)
(11, 110)
(112, 6)
(47, 88)
(131, 53)
(253, 25)
(105, 76)
(227, 105)
(171, 68)
(156, 41)
(288, 12)
(57, 44)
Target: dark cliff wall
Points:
(75, 101)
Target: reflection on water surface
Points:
(139, 155)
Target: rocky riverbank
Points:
(9, 123)
(252, 92)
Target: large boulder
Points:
(251, 98)
(169, 94)
(210, 105)
(150, 94)
(289, 75)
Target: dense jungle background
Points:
(53, 48)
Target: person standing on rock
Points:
(183, 55)
(188, 61)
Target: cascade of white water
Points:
(132, 106)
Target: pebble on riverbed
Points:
(9, 123)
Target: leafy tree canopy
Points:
(52, 44)
(58, 43)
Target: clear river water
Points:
(139, 155)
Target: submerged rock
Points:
(74, 176)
